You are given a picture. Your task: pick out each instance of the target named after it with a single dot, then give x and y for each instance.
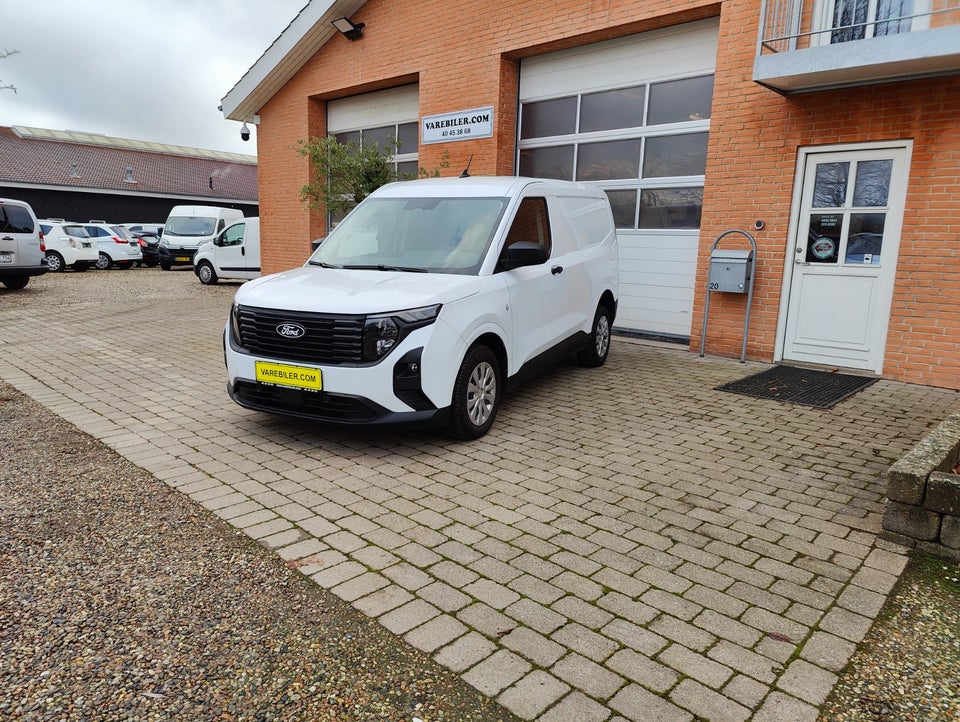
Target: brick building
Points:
(830, 123)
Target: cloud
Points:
(136, 69)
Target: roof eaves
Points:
(303, 37)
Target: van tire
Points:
(15, 283)
(596, 351)
(104, 262)
(164, 266)
(206, 274)
(55, 262)
(124, 265)
(476, 395)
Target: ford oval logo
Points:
(291, 330)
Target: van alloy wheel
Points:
(476, 395)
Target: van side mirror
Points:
(522, 253)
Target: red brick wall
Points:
(754, 139)
(466, 55)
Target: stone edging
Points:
(923, 510)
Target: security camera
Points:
(244, 132)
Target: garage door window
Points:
(646, 145)
(405, 159)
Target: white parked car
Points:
(68, 245)
(21, 244)
(115, 244)
(429, 301)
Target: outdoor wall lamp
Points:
(350, 30)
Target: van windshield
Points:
(190, 226)
(440, 235)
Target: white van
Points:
(429, 301)
(21, 244)
(189, 227)
(234, 253)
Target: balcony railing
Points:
(807, 45)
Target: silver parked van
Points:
(21, 244)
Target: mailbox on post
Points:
(730, 271)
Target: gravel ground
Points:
(121, 599)
(908, 667)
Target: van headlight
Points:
(384, 331)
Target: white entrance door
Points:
(844, 257)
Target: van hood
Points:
(335, 290)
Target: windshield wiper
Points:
(323, 265)
(382, 267)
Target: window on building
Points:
(645, 145)
(399, 137)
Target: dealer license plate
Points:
(300, 377)
(6, 258)
(184, 259)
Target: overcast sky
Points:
(152, 70)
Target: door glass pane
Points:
(830, 187)
(407, 135)
(824, 237)
(671, 208)
(872, 186)
(549, 117)
(621, 108)
(675, 155)
(624, 204)
(677, 101)
(866, 238)
(555, 162)
(606, 161)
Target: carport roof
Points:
(64, 160)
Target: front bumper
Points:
(176, 256)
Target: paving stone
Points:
(535, 616)
(643, 670)
(587, 676)
(588, 643)
(706, 703)
(533, 646)
(748, 692)
(743, 660)
(410, 615)
(497, 672)
(828, 651)
(807, 682)
(696, 666)
(436, 633)
(577, 707)
(634, 636)
(529, 697)
(465, 652)
(589, 615)
(359, 586)
(779, 707)
(383, 600)
(639, 704)
(679, 631)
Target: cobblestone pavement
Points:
(626, 543)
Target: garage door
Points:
(378, 117)
(632, 116)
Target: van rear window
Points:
(15, 219)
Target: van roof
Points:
(479, 186)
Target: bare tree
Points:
(3, 54)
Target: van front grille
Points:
(317, 338)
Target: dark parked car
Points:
(149, 246)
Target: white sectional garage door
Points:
(632, 116)
(379, 117)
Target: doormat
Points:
(821, 389)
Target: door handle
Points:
(243, 251)
(556, 269)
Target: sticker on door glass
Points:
(823, 248)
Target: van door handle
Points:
(556, 269)
(6, 238)
(243, 251)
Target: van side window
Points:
(233, 236)
(530, 224)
